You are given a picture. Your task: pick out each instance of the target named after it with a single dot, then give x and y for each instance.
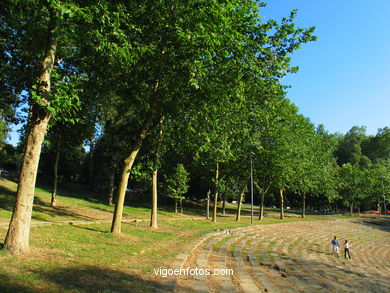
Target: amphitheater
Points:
(292, 257)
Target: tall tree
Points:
(45, 20)
(349, 149)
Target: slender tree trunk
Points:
(281, 203)
(224, 204)
(153, 214)
(239, 204)
(175, 205)
(216, 194)
(303, 204)
(181, 205)
(351, 208)
(208, 205)
(128, 164)
(111, 187)
(17, 239)
(91, 163)
(261, 212)
(55, 178)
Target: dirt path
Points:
(292, 257)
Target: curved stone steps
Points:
(293, 257)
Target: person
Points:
(335, 246)
(346, 249)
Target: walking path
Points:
(291, 257)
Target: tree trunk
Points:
(111, 187)
(239, 204)
(153, 215)
(181, 205)
(55, 178)
(216, 194)
(351, 208)
(281, 204)
(17, 239)
(303, 204)
(91, 163)
(208, 205)
(224, 204)
(128, 164)
(175, 205)
(261, 213)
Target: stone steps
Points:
(293, 257)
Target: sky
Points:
(344, 77)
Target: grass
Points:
(85, 257)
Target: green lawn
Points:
(86, 257)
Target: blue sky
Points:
(344, 77)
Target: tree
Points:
(191, 59)
(46, 22)
(155, 163)
(349, 149)
(376, 184)
(174, 62)
(378, 146)
(352, 186)
(177, 185)
(315, 165)
(64, 138)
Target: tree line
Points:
(179, 98)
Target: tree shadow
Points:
(381, 223)
(368, 281)
(9, 286)
(7, 201)
(91, 229)
(45, 208)
(95, 279)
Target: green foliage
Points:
(64, 99)
(352, 183)
(212, 69)
(350, 148)
(378, 146)
(177, 183)
(3, 131)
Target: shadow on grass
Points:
(319, 273)
(81, 192)
(43, 207)
(81, 279)
(95, 279)
(8, 286)
(91, 229)
(380, 223)
(7, 198)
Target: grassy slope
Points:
(86, 257)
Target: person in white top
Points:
(346, 249)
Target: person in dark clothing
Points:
(346, 249)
